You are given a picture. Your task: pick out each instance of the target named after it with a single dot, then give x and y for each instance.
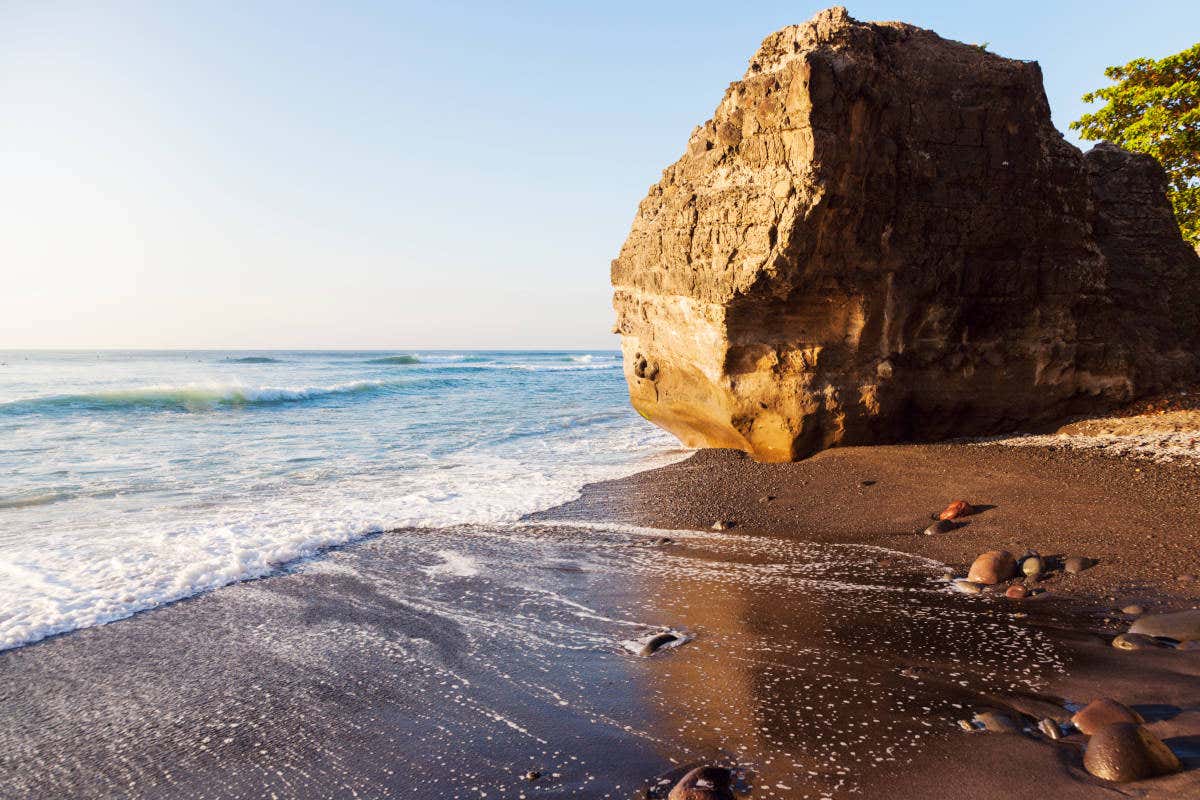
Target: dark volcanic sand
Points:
(1139, 520)
(448, 663)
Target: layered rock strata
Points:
(880, 236)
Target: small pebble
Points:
(1185, 578)
(532, 775)
(656, 643)
(704, 783)
(1135, 641)
(723, 525)
(1076, 564)
(1016, 592)
(1050, 728)
(1133, 611)
(1033, 566)
(965, 586)
(941, 526)
(997, 722)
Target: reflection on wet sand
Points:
(488, 662)
(819, 670)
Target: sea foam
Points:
(106, 510)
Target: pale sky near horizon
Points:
(392, 175)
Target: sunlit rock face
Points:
(880, 236)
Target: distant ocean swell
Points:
(210, 396)
(478, 362)
(188, 396)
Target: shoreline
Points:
(398, 683)
(1137, 518)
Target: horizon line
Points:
(296, 349)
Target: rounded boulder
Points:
(1125, 752)
(993, 567)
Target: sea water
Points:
(132, 479)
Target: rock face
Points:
(880, 236)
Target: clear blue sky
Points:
(394, 175)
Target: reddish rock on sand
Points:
(1101, 712)
(993, 567)
(959, 508)
(1016, 592)
(1128, 752)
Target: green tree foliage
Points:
(1154, 108)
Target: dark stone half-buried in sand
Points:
(997, 722)
(1077, 564)
(941, 526)
(1126, 751)
(704, 783)
(1135, 641)
(657, 642)
(1182, 626)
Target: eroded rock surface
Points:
(880, 236)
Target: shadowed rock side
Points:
(881, 236)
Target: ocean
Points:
(133, 479)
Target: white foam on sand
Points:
(162, 554)
(1158, 446)
(453, 564)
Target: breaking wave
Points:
(395, 360)
(187, 397)
(43, 499)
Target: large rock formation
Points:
(880, 236)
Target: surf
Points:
(189, 397)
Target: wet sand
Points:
(827, 659)
(1140, 521)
